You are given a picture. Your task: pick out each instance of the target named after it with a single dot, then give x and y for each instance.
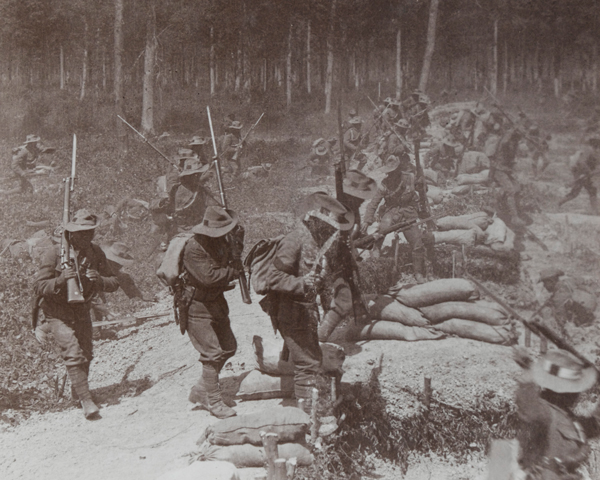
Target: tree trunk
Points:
(118, 86)
(308, 60)
(62, 68)
(505, 71)
(239, 65)
(556, 61)
(84, 67)
(212, 62)
(329, 72)
(494, 69)
(288, 83)
(594, 66)
(147, 123)
(433, 11)
(398, 63)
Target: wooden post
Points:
(314, 428)
(427, 393)
(280, 469)
(270, 445)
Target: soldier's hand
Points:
(312, 282)
(364, 227)
(92, 274)
(67, 274)
(521, 356)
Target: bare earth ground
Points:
(144, 436)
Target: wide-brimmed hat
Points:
(550, 273)
(451, 143)
(359, 185)
(328, 209)
(119, 253)
(198, 140)
(217, 221)
(387, 101)
(391, 163)
(353, 112)
(322, 149)
(193, 165)
(82, 220)
(32, 139)
(355, 121)
(402, 123)
(562, 372)
(424, 99)
(235, 125)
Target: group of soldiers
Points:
(316, 259)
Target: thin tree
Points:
(329, 71)
(147, 123)
(118, 69)
(431, 27)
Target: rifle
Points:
(365, 241)
(349, 270)
(242, 278)
(241, 144)
(147, 142)
(74, 286)
(536, 239)
(421, 187)
(402, 140)
(536, 327)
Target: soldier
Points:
(70, 323)
(502, 172)
(393, 143)
(553, 444)
(296, 281)
(209, 271)
(230, 148)
(442, 157)
(227, 122)
(24, 160)
(584, 168)
(391, 113)
(568, 302)
(539, 147)
(353, 142)
(357, 188)
(198, 148)
(320, 157)
(417, 113)
(401, 205)
(351, 115)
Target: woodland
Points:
(145, 59)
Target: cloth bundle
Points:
(475, 229)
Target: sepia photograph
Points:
(299, 240)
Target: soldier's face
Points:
(81, 239)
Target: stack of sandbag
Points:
(273, 376)
(480, 178)
(209, 470)
(451, 306)
(473, 163)
(238, 439)
(465, 230)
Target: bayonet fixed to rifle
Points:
(243, 140)
(74, 287)
(148, 142)
(243, 281)
(391, 127)
(533, 325)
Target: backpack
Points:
(170, 268)
(258, 263)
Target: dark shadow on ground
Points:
(112, 394)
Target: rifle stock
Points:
(74, 294)
(243, 281)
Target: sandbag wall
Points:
(434, 310)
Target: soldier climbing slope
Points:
(584, 168)
(70, 323)
(24, 160)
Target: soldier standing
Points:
(70, 323)
(394, 145)
(553, 443)
(209, 271)
(24, 160)
(584, 168)
(230, 146)
(320, 157)
(198, 148)
(353, 142)
(539, 148)
(400, 206)
(296, 278)
(442, 157)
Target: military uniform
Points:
(229, 148)
(584, 168)
(207, 261)
(442, 157)
(353, 140)
(320, 158)
(24, 159)
(70, 323)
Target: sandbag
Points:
(204, 470)
(473, 162)
(456, 237)
(385, 307)
(508, 245)
(502, 335)
(267, 353)
(435, 194)
(466, 311)
(496, 232)
(257, 386)
(461, 190)
(383, 330)
(473, 178)
(289, 423)
(430, 293)
(249, 456)
(464, 222)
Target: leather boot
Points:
(304, 391)
(198, 395)
(216, 406)
(79, 380)
(327, 326)
(419, 265)
(516, 221)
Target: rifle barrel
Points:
(147, 141)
